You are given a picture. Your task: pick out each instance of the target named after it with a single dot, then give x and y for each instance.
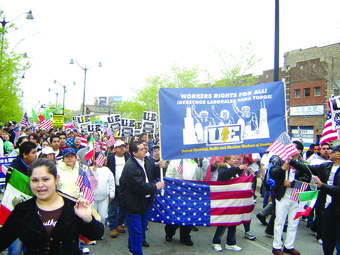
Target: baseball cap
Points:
(335, 148)
(68, 151)
(47, 150)
(119, 143)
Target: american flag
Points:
(180, 168)
(298, 187)
(25, 121)
(204, 203)
(100, 160)
(70, 141)
(96, 146)
(112, 140)
(79, 181)
(83, 141)
(45, 124)
(87, 190)
(328, 134)
(283, 147)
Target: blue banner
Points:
(205, 122)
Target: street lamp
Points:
(64, 90)
(4, 23)
(56, 93)
(85, 70)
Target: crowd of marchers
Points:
(61, 221)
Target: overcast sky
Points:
(135, 39)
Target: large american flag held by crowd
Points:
(204, 203)
(283, 147)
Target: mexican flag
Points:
(17, 191)
(90, 153)
(37, 118)
(307, 202)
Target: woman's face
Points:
(232, 161)
(45, 144)
(43, 184)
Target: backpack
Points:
(269, 183)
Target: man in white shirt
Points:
(116, 162)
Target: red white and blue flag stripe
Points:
(204, 203)
(283, 147)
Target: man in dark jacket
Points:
(116, 162)
(329, 197)
(285, 179)
(137, 189)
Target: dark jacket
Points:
(279, 175)
(111, 164)
(24, 223)
(323, 171)
(225, 172)
(133, 187)
(16, 164)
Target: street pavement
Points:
(305, 241)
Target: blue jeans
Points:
(231, 236)
(136, 224)
(16, 248)
(115, 213)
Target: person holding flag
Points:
(327, 178)
(284, 177)
(103, 186)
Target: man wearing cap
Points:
(116, 162)
(68, 171)
(47, 152)
(328, 180)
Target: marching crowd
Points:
(58, 220)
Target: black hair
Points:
(299, 146)
(133, 147)
(50, 166)
(62, 133)
(325, 143)
(19, 141)
(25, 148)
(52, 137)
(34, 135)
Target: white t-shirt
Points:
(331, 182)
(120, 162)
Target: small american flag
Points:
(25, 121)
(83, 141)
(45, 124)
(79, 181)
(329, 133)
(112, 140)
(96, 146)
(100, 160)
(70, 141)
(87, 190)
(180, 168)
(283, 147)
(298, 187)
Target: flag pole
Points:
(286, 111)
(160, 143)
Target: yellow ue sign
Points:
(58, 120)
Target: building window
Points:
(317, 91)
(307, 92)
(297, 93)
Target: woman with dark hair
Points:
(48, 221)
(20, 140)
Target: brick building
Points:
(312, 76)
